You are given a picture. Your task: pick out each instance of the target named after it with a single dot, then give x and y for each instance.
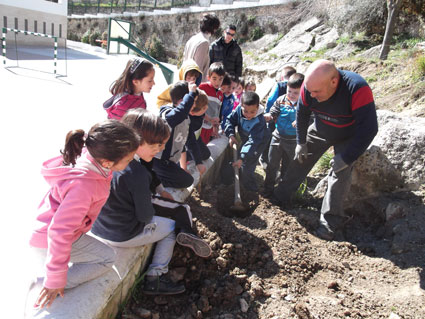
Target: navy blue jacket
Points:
(349, 114)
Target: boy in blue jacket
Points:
(165, 163)
(248, 118)
(283, 116)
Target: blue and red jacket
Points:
(349, 114)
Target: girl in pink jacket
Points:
(127, 91)
(80, 182)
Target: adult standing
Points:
(228, 51)
(198, 45)
(345, 118)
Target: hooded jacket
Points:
(117, 105)
(68, 210)
(164, 98)
(252, 132)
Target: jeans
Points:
(171, 174)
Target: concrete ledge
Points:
(101, 298)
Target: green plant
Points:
(155, 48)
(301, 190)
(324, 163)
(419, 67)
(251, 20)
(93, 37)
(86, 37)
(256, 33)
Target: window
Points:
(4, 22)
(26, 25)
(44, 27)
(16, 23)
(35, 26)
(60, 30)
(53, 29)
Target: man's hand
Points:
(338, 163)
(201, 168)
(47, 296)
(294, 123)
(268, 117)
(237, 164)
(233, 140)
(301, 152)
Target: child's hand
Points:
(192, 87)
(201, 168)
(237, 164)
(233, 140)
(215, 121)
(207, 118)
(47, 296)
(268, 117)
(166, 194)
(294, 123)
(215, 130)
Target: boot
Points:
(161, 285)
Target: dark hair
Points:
(136, 69)
(151, 128)
(287, 71)
(250, 98)
(200, 102)
(192, 72)
(217, 68)
(109, 140)
(240, 80)
(231, 27)
(233, 78)
(226, 80)
(250, 82)
(178, 91)
(209, 23)
(296, 80)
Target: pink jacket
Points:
(117, 105)
(68, 210)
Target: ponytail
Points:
(109, 140)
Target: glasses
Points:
(231, 34)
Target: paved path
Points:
(38, 110)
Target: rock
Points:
(394, 211)
(334, 286)
(302, 311)
(221, 262)
(141, 312)
(177, 274)
(244, 305)
(203, 304)
(160, 300)
(393, 316)
(155, 315)
(370, 53)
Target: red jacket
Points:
(117, 105)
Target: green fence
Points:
(119, 6)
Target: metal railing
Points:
(119, 6)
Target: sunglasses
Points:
(231, 34)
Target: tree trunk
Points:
(393, 9)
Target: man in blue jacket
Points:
(345, 118)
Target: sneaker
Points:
(199, 246)
(325, 232)
(161, 285)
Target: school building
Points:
(39, 16)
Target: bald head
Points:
(322, 79)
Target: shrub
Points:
(155, 48)
(419, 67)
(93, 37)
(256, 33)
(86, 37)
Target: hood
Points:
(112, 100)
(187, 66)
(86, 167)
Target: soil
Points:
(270, 264)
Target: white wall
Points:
(60, 8)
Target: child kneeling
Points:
(133, 217)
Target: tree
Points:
(393, 7)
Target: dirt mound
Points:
(270, 265)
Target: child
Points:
(250, 86)
(177, 116)
(227, 87)
(80, 180)
(211, 122)
(188, 72)
(133, 217)
(127, 91)
(249, 120)
(278, 90)
(240, 84)
(283, 143)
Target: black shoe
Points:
(198, 245)
(325, 232)
(161, 285)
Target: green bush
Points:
(86, 37)
(155, 48)
(323, 164)
(93, 37)
(420, 66)
(256, 33)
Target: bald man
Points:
(345, 118)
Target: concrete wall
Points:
(38, 16)
(175, 29)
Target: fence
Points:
(119, 6)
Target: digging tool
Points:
(238, 208)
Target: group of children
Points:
(110, 182)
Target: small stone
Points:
(238, 246)
(221, 262)
(393, 316)
(334, 286)
(340, 296)
(155, 315)
(177, 274)
(160, 300)
(289, 297)
(244, 305)
(142, 312)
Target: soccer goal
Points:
(54, 54)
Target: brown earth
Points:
(271, 265)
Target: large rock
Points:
(394, 161)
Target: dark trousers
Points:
(204, 150)
(178, 212)
(271, 125)
(338, 183)
(282, 149)
(171, 174)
